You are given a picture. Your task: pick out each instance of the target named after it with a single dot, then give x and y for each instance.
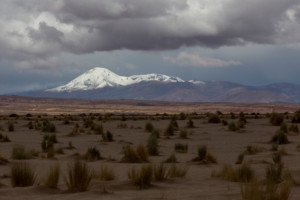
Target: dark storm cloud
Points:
(39, 31)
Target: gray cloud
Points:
(196, 60)
(37, 31)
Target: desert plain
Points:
(250, 144)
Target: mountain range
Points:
(101, 83)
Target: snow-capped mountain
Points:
(97, 78)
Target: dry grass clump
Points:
(181, 148)
(107, 137)
(19, 153)
(141, 177)
(78, 177)
(4, 138)
(106, 174)
(279, 138)
(160, 172)
(92, 154)
(22, 175)
(176, 171)
(214, 119)
(244, 173)
(276, 119)
(183, 134)
(149, 127)
(152, 145)
(204, 156)
(137, 155)
(171, 159)
(240, 159)
(52, 176)
(251, 150)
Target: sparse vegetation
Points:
(276, 119)
(149, 127)
(53, 176)
(204, 156)
(141, 177)
(171, 159)
(279, 138)
(137, 155)
(78, 177)
(108, 136)
(181, 148)
(160, 172)
(214, 119)
(152, 145)
(19, 153)
(106, 174)
(92, 154)
(22, 175)
(176, 171)
(183, 134)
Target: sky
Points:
(44, 44)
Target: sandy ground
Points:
(225, 145)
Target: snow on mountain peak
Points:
(101, 77)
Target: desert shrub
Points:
(190, 123)
(98, 129)
(156, 133)
(182, 116)
(30, 125)
(48, 127)
(176, 171)
(88, 123)
(183, 134)
(171, 159)
(19, 153)
(160, 172)
(141, 177)
(169, 131)
(108, 136)
(106, 174)
(181, 148)
(276, 119)
(294, 128)
(233, 127)
(279, 138)
(152, 145)
(242, 118)
(75, 131)
(260, 191)
(52, 176)
(78, 177)
(92, 154)
(202, 151)
(11, 126)
(149, 127)
(240, 159)
(48, 141)
(214, 119)
(296, 117)
(137, 155)
(244, 173)
(22, 175)
(283, 128)
(224, 122)
(251, 150)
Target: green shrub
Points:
(53, 176)
(176, 171)
(142, 177)
(149, 127)
(92, 154)
(78, 177)
(152, 145)
(22, 175)
(276, 119)
(181, 148)
(19, 153)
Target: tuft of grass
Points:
(244, 173)
(108, 136)
(149, 127)
(160, 172)
(279, 138)
(78, 177)
(240, 159)
(141, 177)
(19, 153)
(52, 176)
(204, 156)
(49, 127)
(190, 123)
(98, 129)
(181, 148)
(152, 145)
(251, 150)
(233, 127)
(22, 175)
(92, 154)
(106, 174)
(276, 119)
(176, 171)
(171, 159)
(183, 134)
(137, 155)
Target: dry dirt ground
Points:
(198, 183)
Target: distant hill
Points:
(100, 83)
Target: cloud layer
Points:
(36, 32)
